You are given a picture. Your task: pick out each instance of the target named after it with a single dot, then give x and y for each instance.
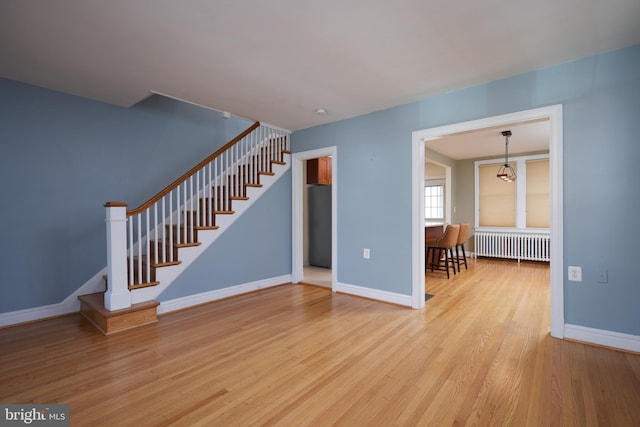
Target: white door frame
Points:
(298, 182)
(554, 115)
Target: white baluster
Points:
(197, 196)
(170, 227)
(163, 242)
(183, 237)
(139, 217)
(155, 233)
(190, 222)
(147, 273)
(229, 181)
(209, 207)
(130, 252)
(215, 202)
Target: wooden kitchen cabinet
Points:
(319, 171)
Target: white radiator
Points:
(514, 245)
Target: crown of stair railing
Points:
(173, 217)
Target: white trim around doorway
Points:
(298, 180)
(554, 114)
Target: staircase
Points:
(150, 246)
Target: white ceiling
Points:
(527, 137)
(277, 61)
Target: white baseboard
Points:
(193, 300)
(375, 294)
(96, 284)
(31, 314)
(601, 337)
(70, 304)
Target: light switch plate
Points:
(603, 277)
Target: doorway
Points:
(551, 113)
(300, 212)
(437, 185)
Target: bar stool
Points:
(462, 239)
(443, 246)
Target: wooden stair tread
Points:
(107, 322)
(166, 264)
(187, 245)
(96, 301)
(143, 285)
(206, 227)
(160, 264)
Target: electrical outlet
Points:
(575, 273)
(366, 253)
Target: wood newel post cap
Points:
(115, 205)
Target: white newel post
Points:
(117, 295)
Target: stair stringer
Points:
(187, 255)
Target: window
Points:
(497, 198)
(538, 198)
(434, 203)
(524, 203)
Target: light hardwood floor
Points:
(318, 276)
(479, 354)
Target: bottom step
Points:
(109, 322)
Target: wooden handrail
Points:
(115, 205)
(191, 171)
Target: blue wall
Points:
(62, 157)
(256, 247)
(601, 103)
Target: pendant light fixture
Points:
(506, 172)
